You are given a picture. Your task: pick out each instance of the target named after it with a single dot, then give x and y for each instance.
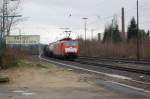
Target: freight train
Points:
(64, 48)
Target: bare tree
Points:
(11, 13)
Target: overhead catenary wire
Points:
(103, 19)
(127, 11)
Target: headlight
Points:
(71, 50)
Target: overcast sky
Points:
(46, 17)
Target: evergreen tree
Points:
(111, 33)
(148, 33)
(107, 34)
(116, 34)
(132, 30)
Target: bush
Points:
(10, 57)
(96, 48)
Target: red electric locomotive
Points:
(65, 48)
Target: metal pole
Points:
(85, 26)
(85, 30)
(3, 26)
(138, 41)
(6, 20)
(5, 17)
(1, 30)
(123, 24)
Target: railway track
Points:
(118, 66)
(145, 69)
(106, 71)
(119, 60)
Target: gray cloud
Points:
(53, 14)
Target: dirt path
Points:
(34, 75)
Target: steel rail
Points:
(113, 66)
(122, 60)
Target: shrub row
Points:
(9, 57)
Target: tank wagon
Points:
(65, 48)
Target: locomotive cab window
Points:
(71, 43)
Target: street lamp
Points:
(85, 25)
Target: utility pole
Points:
(123, 25)
(5, 17)
(138, 41)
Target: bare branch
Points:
(12, 10)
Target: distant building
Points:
(30, 43)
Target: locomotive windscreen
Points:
(71, 43)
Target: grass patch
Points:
(45, 65)
(24, 64)
(28, 64)
(11, 57)
(4, 79)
